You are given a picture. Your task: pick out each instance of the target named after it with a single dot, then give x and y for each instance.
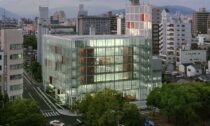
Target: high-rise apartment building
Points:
(76, 65)
(199, 22)
(175, 33)
(43, 23)
(120, 25)
(117, 23)
(58, 17)
(12, 60)
(156, 19)
(139, 19)
(208, 25)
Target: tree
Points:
(22, 113)
(108, 108)
(3, 100)
(153, 99)
(36, 70)
(30, 40)
(183, 104)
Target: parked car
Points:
(56, 123)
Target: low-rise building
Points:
(194, 70)
(190, 56)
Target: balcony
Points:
(170, 53)
(170, 48)
(170, 34)
(170, 43)
(171, 39)
(170, 25)
(160, 47)
(170, 30)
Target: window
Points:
(16, 66)
(57, 50)
(16, 56)
(16, 77)
(0, 57)
(16, 87)
(50, 79)
(16, 46)
(0, 67)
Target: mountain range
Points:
(71, 11)
(8, 13)
(172, 9)
(179, 9)
(96, 10)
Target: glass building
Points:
(76, 65)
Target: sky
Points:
(30, 7)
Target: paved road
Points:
(49, 112)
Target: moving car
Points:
(56, 123)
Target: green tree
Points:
(183, 104)
(37, 71)
(3, 100)
(153, 99)
(22, 113)
(108, 108)
(30, 40)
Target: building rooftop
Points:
(94, 17)
(76, 37)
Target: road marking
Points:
(46, 114)
(56, 113)
(50, 114)
(39, 94)
(46, 97)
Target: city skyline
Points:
(116, 4)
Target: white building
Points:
(190, 56)
(11, 44)
(43, 24)
(139, 19)
(119, 24)
(193, 70)
(203, 41)
(175, 33)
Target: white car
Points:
(56, 123)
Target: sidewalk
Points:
(61, 111)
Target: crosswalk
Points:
(50, 114)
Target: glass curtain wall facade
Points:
(77, 65)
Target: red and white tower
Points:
(139, 19)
